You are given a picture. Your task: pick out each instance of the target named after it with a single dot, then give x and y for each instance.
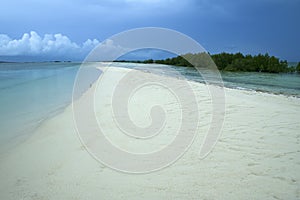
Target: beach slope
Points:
(256, 157)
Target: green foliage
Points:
(148, 61)
(298, 67)
(229, 62)
(257, 63)
(178, 61)
(233, 62)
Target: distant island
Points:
(232, 62)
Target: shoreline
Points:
(20, 138)
(256, 157)
(203, 82)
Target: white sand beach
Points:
(256, 157)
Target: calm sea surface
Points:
(31, 93)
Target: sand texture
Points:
(256, 157)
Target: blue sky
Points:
(64, 29)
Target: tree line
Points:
(230, 62)
(249, 63)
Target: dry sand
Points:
(256, 157)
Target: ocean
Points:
(33, 92)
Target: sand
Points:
(256, 157)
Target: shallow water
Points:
(284, 83)
(32, 92)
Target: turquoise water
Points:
(33, 92)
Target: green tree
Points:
(230, 62)
(298, 67)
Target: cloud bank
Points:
(32, 47)
(49, 46)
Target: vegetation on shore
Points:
(298, 67)
(231, 62)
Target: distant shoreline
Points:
(229, 62)
(237, 62)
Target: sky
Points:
(70, 29)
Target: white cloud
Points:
(50, 45)
(108, 50)
(90, 44)
(32, 46)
